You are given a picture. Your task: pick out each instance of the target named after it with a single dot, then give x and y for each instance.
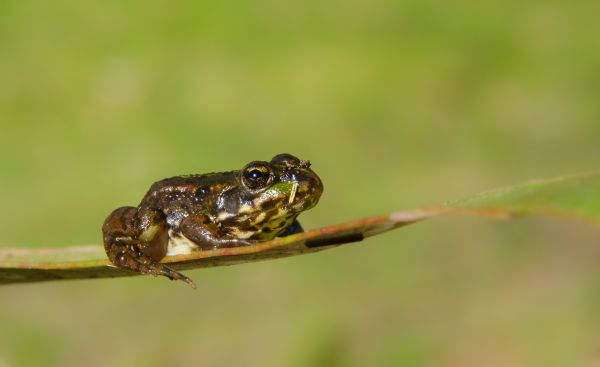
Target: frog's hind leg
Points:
(138, 242)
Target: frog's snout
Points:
(304, 164)
(309, 184)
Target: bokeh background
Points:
(398, 104)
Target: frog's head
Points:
(272, 194)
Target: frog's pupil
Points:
(254, 174)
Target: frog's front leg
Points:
(293, 228)
(137, 240)
(199, 229)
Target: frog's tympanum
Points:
(210, 211)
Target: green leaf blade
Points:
(572, 197)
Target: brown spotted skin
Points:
(228, 209)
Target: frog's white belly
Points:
(180, 245)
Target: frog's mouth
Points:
(304, 191)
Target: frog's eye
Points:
(256, 175)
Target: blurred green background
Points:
(398, 104)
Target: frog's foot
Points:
(137, 241)
(130, 257)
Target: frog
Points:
(203, 212)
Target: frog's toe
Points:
(175, 275)
(133, 259)
(147, 266)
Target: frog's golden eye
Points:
(256, 175)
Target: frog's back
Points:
(188, 191)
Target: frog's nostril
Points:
(304, 164)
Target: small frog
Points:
(209, 211)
